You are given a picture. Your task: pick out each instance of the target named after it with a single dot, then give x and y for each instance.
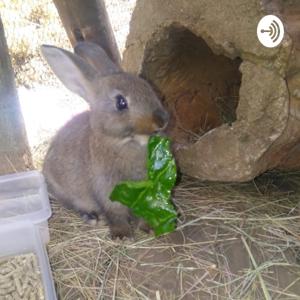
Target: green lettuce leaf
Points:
(150, 199)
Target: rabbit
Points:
(106, 144)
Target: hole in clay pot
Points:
(199, 88)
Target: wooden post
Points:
(14, 150)
(88, 20)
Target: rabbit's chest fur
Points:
(81, 163)
(118, 159)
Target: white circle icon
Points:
(270, 31)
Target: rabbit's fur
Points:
(103, 146)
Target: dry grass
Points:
(28, 25)
(234, 241)
(31, 23)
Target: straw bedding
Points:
(234, 241)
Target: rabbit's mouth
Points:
(149, 126)
(142, 139)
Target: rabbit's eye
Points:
(121, 102)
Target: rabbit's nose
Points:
(161, 118)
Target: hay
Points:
(234, 241)
(41, 17)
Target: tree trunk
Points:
(14, 151)
(88, 21)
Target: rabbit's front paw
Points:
(121, 231)
(143, 226)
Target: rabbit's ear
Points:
(72, 70)
(97, 57)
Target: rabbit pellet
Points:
(20, 278)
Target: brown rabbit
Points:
(105, 145)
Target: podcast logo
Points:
(270, 31)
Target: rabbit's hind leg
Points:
(90, 218)
(88, 209)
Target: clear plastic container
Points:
(24, 214)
